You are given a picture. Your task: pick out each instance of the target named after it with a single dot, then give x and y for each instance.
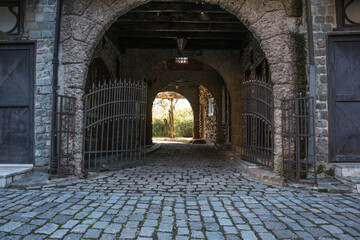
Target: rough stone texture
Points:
(267, 20)
(107, 51)
(207, 123)
(190, 191)
(84, 23)
(323, 22)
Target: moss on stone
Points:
(330, 172)
(300, 63)
(320, 169)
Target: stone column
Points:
(196, 111)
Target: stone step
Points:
(10, 173)
(347, 170)
(349, 173)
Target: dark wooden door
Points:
(16, 103)
(344, 97)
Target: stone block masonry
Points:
(323, 22)
(40, 27)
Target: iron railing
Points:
(114, 132)
(61, 163)
(257, 122)
(298, 140)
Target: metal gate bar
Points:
(114, 133)
(63, 130)
(257, 122)
(298, 140)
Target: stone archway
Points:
(187, 95)
(210, 79)
(84, 22)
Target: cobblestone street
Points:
(183, 192)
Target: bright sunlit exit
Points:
(172, 117)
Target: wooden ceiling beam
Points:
(188, 17)
(187, 35)
(178, 7)
(171, 44)
(181, 27)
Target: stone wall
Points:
(324, 20)
(110, 54)
(208, 124)
(85, 22)
(39, 26)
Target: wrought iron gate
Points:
(257, 122)
(63, 130)
(114, 132)
(298, 140)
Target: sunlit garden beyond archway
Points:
(172, 117)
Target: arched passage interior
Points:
(233, 53)
(199, 83)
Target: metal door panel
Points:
(344, 97)
(14, 141)
(16, 103)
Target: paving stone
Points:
(225, 222)
(284, 234)
(332, 229)
(182, 238)
(92, 233)
(164, 236)
(165, 227)
(230, 230)
(248, 235)
(268, 236)
(215, 236)
(113, 228)
(147, 231)
(59, 233)
(198, 195)
(47, 229)
(197, 234)
(10, 226)
(108, 237)
(132, 224)
(232, 237)
(73, 236)
(150, 223)
(34, 237)
(128, 233)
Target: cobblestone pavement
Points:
(183, 192)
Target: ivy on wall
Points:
(300, 63)
(297, 8)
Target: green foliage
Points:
(297, 8)
(300, 62)
(183, 128)
(183, 118)
(159, 129)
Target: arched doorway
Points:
(172, 117)
(267, 30)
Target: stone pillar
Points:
(196, 111)
(148, 125)
(219, 127)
